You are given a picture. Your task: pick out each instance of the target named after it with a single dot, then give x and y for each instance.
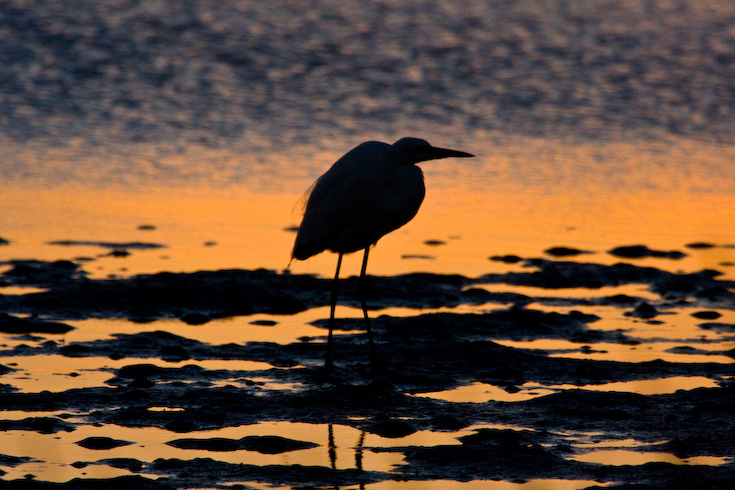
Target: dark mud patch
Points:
(718, 326)
(110, 245)
(706, 315)
(11, 461)
(700, 245)
(206, 471)
(565, 251)
(42, 425)
(217, 294)
(118, 483)
(489, 452)
(507, 259)
(102, 443)
(261, 444)
(418, 257)
(14, 324)
(642, 251)
(37, 273)
(418, 354)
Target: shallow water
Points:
(476, 209)
(238, 227)
(197, 126)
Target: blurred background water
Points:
(613, 104)
(141, 80)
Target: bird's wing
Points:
(299, 206)
(347, 173)
(341, 201)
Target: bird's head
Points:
(408, 151)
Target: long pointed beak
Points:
(435, 153)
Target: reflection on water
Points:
(56, 373)
(634, 290)
(519, 198)
(483, 392)
(595, 127)
(621, 457)
(481, 209)
(605, 351)
(286, 330)
(19, 290)
(339, 447)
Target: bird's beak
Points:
(435, 153)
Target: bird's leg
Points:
(332, 448)
(335, 292)
(362, 292)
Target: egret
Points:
(373, 189)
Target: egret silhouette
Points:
(373, 189)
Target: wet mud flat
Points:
(550, 415)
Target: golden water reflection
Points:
(505, 203)
(57, 373)
(635, 290)
(619, 457)
(203, 229)
(339, 447)
(606, 351)
(654, 340)
(59, 450)
(240, 329)
(20, 290)
(483, 392)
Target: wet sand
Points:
(564, 414)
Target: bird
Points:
(373, 189)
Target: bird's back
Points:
(358, 200)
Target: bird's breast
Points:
(404, 194)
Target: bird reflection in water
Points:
(333, 453)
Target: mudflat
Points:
(477, 379)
